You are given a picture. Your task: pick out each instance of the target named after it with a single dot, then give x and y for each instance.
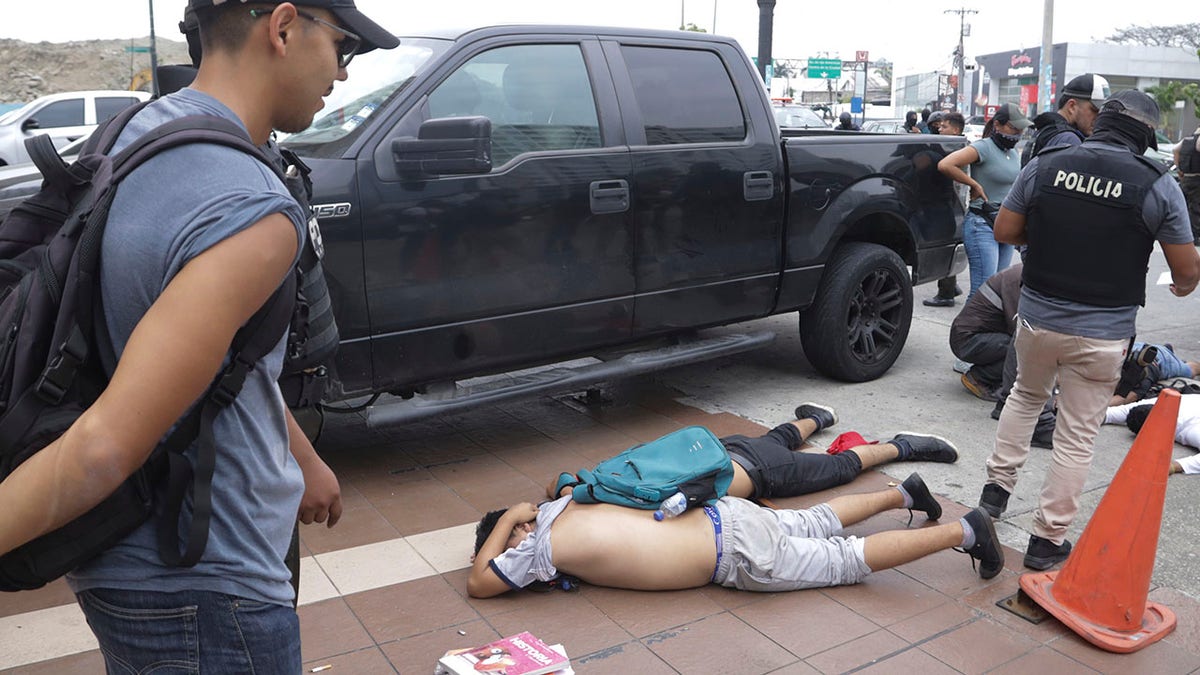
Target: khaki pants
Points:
(1087, 370)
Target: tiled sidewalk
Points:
(385, 590)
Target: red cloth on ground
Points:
(846, 441)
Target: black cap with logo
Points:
(373, 35)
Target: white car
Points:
(64, 117)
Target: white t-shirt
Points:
(532, 559)
(1187, 428)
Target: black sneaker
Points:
(823, 415)
(922, 499)
(938, 301)
(998, 409)
(994, 499)
(1043, 554)
(926, 448)
(1043, 437)
(987, 549)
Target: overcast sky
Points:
(916, 35)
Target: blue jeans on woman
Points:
(191, 632)
(985, 256)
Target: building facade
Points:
(1012, 76)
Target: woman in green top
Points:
(994, 163)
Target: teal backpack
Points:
(691, 460)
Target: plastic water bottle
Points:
(672, 506)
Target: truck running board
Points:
(559, 378)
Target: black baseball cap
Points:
(1087, 87)
(1137, 105)
(373, 35)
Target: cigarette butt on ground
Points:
(318, 669)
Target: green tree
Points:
(692, 28)
(1166, 94)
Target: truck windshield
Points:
(374, 78)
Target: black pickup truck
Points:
(498, 200)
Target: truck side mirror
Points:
(30, 123)
(448, 145)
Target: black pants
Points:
(1191, 191)
(776, 470)
(986, 353)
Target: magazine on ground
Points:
(520, 654)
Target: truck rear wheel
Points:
(859, 320)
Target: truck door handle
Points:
(758, 185)
(609, 196)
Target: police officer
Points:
(846, 123)
(1187, 159)
(1090, 214)
(1078, 106)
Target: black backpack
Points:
(51, 328)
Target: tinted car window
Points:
(675, 107)
(107, 106)
(798, 117)
(67, 113)
(538, 97)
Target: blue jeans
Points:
(191, 632)
(985, 256)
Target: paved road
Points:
(922, 393)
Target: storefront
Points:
(1013, 76)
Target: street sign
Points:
(137, 50)
(824, 68)
(861, 57)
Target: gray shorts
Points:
(784, 550)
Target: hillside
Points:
(32, 69)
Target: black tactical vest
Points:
(1087, 239)
(1189, 157)
(313, 335)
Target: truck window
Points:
(538, 97)
(675, 109)
(68, 113)
(107, 106)
(374, 79)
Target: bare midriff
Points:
(621, 547)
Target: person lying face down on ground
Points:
(736, 543)
(772, 466)
(1187, 426)
(1137, 381)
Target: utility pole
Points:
(1046, 60)
(153, 55)
(766, 23)
(959, 55)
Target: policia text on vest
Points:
(1088, 184)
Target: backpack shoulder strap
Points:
(45, 156)
(183, 131)
(250, 344)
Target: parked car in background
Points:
(892, 126)
(798, 117)
(65, 117)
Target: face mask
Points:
(1114, 127)
(1005, 141)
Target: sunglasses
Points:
(347, 47)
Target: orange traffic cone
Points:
(1100, 593)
